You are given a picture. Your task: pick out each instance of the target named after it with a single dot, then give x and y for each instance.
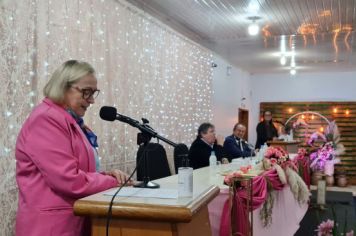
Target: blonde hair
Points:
(63, 77)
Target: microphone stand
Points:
(149, 133)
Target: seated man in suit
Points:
(235, 146)
(204, 144)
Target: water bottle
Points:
(212, 163)
(212, 159)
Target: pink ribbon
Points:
(239, 205)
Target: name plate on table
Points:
(320, 199)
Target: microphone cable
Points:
(109, 216)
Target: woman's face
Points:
(76, 97)
(267, 116)
(209, 136)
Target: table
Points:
(195, 216)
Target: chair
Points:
(180, 154)
(156, 162)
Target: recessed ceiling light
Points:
(253, 29)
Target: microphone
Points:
(249, 145)
(110, 114)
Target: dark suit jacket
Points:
(199, 153)
(262, 133)
(233, 149)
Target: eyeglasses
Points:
(88, 92)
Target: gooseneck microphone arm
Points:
(110, 114)
(148, 130)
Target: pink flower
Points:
(325, 228)
(351, 233)
(236, 174)
(227, 180)
(273, 161)
(244, 169)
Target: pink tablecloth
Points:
(286, 215)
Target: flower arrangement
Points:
(276, 155)
(276, 162)
(328, 228)
(322, 156)
(325, 156)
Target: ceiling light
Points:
(253, 29)
(293, 71)
(253, 7)
(283, 60)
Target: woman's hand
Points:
(120, 176)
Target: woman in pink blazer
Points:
(55, 154)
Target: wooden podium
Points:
(135, 216)
(289, 146)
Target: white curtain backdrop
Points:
(144, 68)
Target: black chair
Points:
(156, 162)
(180, 156)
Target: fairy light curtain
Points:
(144, 68)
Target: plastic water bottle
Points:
(212, 159)
(212, 163)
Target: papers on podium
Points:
(145, 193)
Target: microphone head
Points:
(108, 113)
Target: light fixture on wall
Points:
(253, 28)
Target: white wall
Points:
(338, 86)
(228, 91)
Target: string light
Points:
(144, 68)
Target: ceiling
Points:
(310, 35)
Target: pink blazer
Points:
(55, 166)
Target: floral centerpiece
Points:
(276, 155)
(277, 171)
(325, 154)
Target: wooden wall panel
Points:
(346, 123)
